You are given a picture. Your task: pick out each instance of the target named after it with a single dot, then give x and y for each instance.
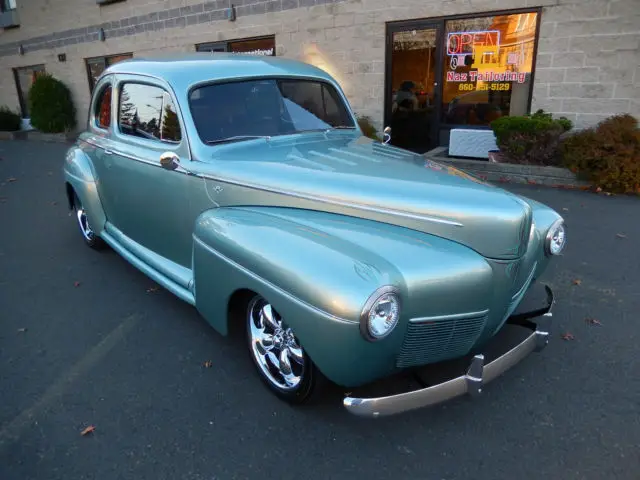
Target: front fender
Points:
(318, 270)
(80, 178)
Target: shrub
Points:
(607, 155)
(367, 127)
(10, 121)
(50, 105)
(531, 139)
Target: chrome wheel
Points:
(274, 347)
(83, 222)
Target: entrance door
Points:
(413, 90)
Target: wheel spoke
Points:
(296, 353)
(273, 359)
(285, 364)
(267, 341)
(267, 317)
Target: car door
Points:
(144, 202)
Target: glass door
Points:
(413, 90)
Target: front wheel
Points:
(89, 236)
(281, 362)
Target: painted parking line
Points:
(13, 430)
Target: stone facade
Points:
(588, 59)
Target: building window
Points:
(97, 65)
(25, 76)
(148, 112)
(487, 67)
(253, 46)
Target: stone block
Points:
(605, 43)
(552, 45)
(572, 59)
(543, 60)
(590, 105)
(581, 90)
(621, 75)
(581, 74)
(550, 75)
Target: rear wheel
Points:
(89, 236)
(281, 362)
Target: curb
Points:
(512, 173)
(39, 136)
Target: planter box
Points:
(510, 172)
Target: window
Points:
(7, 5)
(487, 69)
(25, 76)
(97, 65)
(148, 112)
(103, 108)
(253, 46)
(266, 107)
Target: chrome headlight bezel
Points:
(373, 299)
(555, 226)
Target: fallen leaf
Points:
(592, 321)
(567, 336)
(577, 281)
(22, 330)
(152, 289)
(76, 284)
(565, 209)
(598, 189)
(11, 179)
(621, 235)
(87, 430)
(207, 364)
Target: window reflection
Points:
(148, 112)
(487, 68)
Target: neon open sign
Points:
(463, 43)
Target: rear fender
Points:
(79, 177)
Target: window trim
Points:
(152, 143)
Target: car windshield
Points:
(236, 111)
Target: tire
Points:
(269, 338)
(91, 239)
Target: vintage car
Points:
(245, 182)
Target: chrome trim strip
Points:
(477, 375)
(268, 283)
(526, 282)
(302, 196)
(456, 316)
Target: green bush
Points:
(607, 155)
(531, 139)
(10, 121)
(367, 127)
(50, 105)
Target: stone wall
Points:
(587, 66)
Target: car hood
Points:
(358, 177)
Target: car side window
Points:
(103, 108)
(147, 111)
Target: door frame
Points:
(419, 24)
(430, 22)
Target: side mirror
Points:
(169, 161)
(387, 135)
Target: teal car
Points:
(244, 183)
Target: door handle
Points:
(108, 152)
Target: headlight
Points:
(556, 238)
(380, 314)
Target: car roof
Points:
(186, 69)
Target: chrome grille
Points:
(442, 338)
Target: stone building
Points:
(422, 66)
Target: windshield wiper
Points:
(342, 127)
(236, 138)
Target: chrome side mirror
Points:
(387, 135)
(169, 161)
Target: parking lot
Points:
(87, 340)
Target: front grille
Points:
(435, 340)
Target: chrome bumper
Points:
(471, 383)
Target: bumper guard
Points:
(477, 375)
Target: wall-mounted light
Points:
(101, 35)
(62, 57)
(20, 50)
(231, 13)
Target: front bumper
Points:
(472, 382)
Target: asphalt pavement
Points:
(86, 340)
